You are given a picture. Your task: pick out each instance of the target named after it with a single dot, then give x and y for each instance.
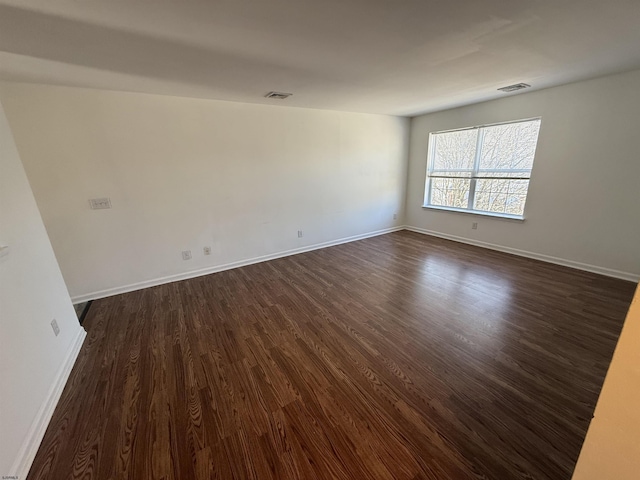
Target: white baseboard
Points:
(34, 437)
(227, 266)
(632, 277)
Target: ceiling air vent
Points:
(278, 95)
(514, 87)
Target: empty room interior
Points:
(339, 240)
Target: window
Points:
(482, 169)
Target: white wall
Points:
(585, 187)
(34, 362)
(186, 173)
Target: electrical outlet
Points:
(186, 255)
(207, 250)
(299, 233)
(395, 216)
(100, 203)
(56, 328)
(474, 225)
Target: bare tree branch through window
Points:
(483, 169)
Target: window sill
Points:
(507, 216)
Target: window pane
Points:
(504, 174)
(450, 192)
(454, 151)
(495, 161)
(501, 196)
(507, 147)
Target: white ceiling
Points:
(397, 57)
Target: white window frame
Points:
(431, 173)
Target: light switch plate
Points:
(100, 203)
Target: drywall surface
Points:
(32, 293)
(585, 187)
(612, 446)
(184, 174)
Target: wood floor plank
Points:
(396, 357)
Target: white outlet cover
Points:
(56, 328)
(186, 255)
(207, 250)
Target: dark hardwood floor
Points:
(397, 357)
